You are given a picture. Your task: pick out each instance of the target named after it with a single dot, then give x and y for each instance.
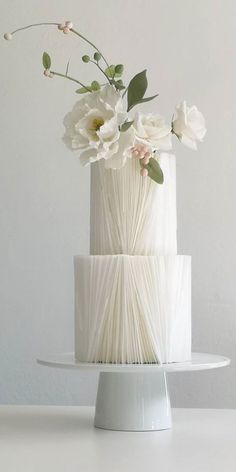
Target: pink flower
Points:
(140, 151)
(68, 25)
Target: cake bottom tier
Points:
(132, 309)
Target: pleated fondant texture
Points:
(133, 309)
(131, 214)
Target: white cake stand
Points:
(134, 397)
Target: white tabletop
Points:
(62, 439)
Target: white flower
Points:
(189, 125)
(93, 126)
(126, 142)
(69, 24)
(153, 131)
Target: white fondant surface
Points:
(131, 214)
(133, 308)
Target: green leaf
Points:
(95, 86)
(143, 100)
(110, 71)
(119, 69)
(118, 85)
(46, 60)
(84, 90)
(126, 125)
(154, 171)
(85, 58)
(97, 56)
(137, 88)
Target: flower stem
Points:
(103, 72)
(70, 78)
(31, 26)
(90, 43)
(124, 93)
(72, 30)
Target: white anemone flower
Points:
(93, 128)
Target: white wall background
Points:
(188, 47)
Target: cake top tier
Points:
(130, 214)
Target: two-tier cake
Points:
(133, 293)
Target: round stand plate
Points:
(134, 397)
(199, 361)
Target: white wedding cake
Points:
(133, 293)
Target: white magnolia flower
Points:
(153, 131)
(189, 125)
(93, 127)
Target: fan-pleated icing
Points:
(131, 214)
(133, 309)
(133, 293)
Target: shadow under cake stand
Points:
(134, 397)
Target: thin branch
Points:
(103, 72)
(72, 30)
(31, 26)
(126, 90)
(70, 78)
(90, 43)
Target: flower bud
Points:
(60, 27)
(97, 56)
(144, 172)
(66, 30)
(95, 86)
(85, 58)
(119, 69)
(69, 24)
(7, 36)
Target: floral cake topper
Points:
(100, 125)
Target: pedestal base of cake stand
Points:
(132, 401)
(134, 397)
